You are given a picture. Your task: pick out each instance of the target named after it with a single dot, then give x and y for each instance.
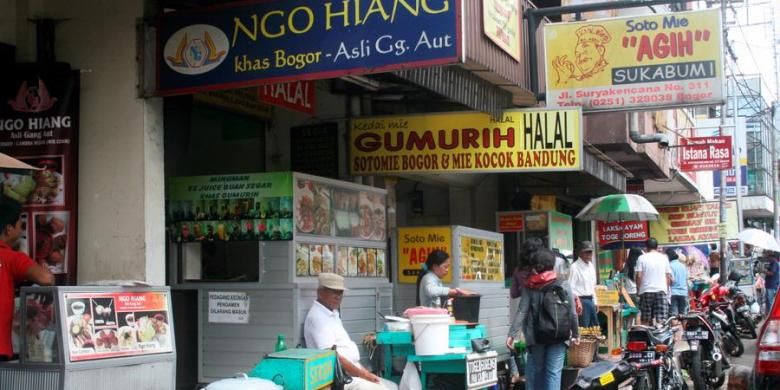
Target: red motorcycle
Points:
(713, 299)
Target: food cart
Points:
(476, 264)
(77, 337)
(249, 248)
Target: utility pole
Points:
(723, 261)
(775, 122)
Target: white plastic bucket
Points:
(431, 334)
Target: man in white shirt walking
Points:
(583, 279)
(323, 329)
(653, 278)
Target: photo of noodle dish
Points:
(301, 260)
(304, 207)
(366, 215)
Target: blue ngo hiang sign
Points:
(276, 41)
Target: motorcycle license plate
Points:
(606, 379)
(696, 335)
(639, 357)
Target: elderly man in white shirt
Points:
(583, 279)
(323, 329)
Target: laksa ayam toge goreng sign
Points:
(262, 42)
(518, 141)
(638, 61)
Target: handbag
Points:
(340, 377)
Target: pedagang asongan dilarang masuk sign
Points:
(518, 141)
(251, 43)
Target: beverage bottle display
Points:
(280, 345)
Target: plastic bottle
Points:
(280, 345)
(449, 308)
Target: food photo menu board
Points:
(349, 261)
(328, 210)
(109, 325)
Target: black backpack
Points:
(552, 315)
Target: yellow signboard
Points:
(695, 222)
(501, 23)
(636, 61)
(414, 245)
(518, 141)
(481, 259)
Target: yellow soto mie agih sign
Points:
(637, 61)
(414, 245)
(519, 141)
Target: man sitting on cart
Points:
(323, 329)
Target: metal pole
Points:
(735, 136)
(775, 174)
(723, 260)
(773, 128)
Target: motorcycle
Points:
(744, 316)
(704, 360)
(720, 314)
(607, 375)
(653, 350)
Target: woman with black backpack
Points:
(547, 321)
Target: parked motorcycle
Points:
(744, 317)
(704, 359)
(653, 350)
(720, 314)
(606, 375)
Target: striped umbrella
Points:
(619, 207)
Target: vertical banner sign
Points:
(519, 141)
(251, 43)
(501, 23)
(39, 110)
(705, 153)
(561, 231)
(414, 245)
(695, 222)
(295, 95)
(637, 61)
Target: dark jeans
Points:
(589, 313)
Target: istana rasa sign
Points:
(518, 141)
(242, 44)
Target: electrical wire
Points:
(751, 53)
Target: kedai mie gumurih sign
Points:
(251, 43)
(633, 62)
(517, 141)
